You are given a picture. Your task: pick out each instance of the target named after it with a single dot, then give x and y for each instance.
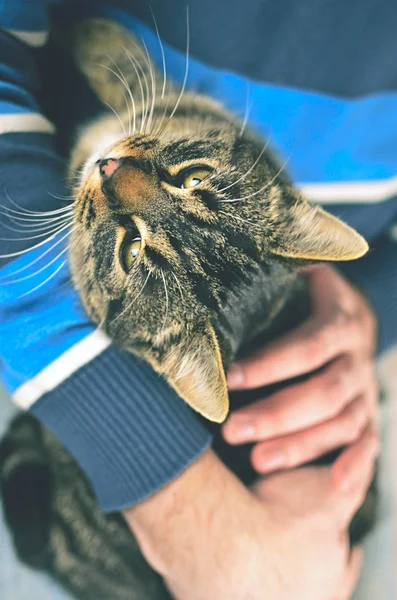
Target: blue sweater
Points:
(318, 79)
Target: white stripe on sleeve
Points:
(29, 122)
(63, 367)
(350, 192)
(32, 38)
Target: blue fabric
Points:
(39, 311)
(21, 15)
(18, 77)
(324, 138)
(128, 429)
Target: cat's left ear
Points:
(195, 371)
(311, 233)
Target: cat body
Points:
(187, 243)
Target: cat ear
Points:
(196, 372)
(314, 234)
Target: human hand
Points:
(311, 521)
(213, 539)
(333, 406)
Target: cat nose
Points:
(107, 167)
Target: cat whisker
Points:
(185, 75)
(131, 98)
(222, 212)
(117, 116)
(162, 54)
(33, 237)
(35, 224)
(248, 107)
(149, 65)
(178, 284)
(131, 303)
(166, 298)
(247, 172)
(135, 64)
(62, 197)
(45, 281)
(21, 252)
(157, 132)
(26, 228)
(262, 189)
(129, 113)
(26, 212)
(123, 81)
(32, 222)
(37, 259)
(51, 262)
(146, 60)
(153, 81)
(42, 225)
(36, 217)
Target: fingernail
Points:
(271, 460)
(235, 376)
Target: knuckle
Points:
(351, 324)
(372, 379)
(356, 422)
(338, 382)
(374, 437)
(315, 346)
(321, 343)
(272, 417)
(341, 319)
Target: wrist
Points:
(178, 524)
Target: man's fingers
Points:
(352, 574)
(303, 350)
(352, 473)
(299, 406)
(301, 447)
(321, 279)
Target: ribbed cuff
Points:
(125, 426)
(376, 276)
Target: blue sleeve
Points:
(126, 428)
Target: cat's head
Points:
(177, 233)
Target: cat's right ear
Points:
(310, 233)
(194, 369)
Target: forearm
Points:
(196, 528)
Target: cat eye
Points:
(194, 177)
(130, 252)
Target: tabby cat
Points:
(188, 240)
